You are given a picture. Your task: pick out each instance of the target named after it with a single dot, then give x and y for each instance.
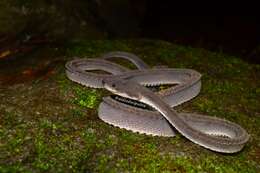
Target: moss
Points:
(85, 97)
(38, 137)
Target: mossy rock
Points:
(52, 125)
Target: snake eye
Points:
(103, 82)
(113, 85)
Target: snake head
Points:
(123, 88)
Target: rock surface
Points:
(50, 123)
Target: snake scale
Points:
(140, 109)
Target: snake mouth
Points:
(116, 92)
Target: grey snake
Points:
(139, 109)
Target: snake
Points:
(133, 106)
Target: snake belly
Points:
(147, 121)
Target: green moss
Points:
(77, 113)
(13, 168)
(89, 136)
(86, 97)
(74, 139)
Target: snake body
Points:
(153, 113)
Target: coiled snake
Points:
(135, 107)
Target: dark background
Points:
(235, 35)
(56, 21)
